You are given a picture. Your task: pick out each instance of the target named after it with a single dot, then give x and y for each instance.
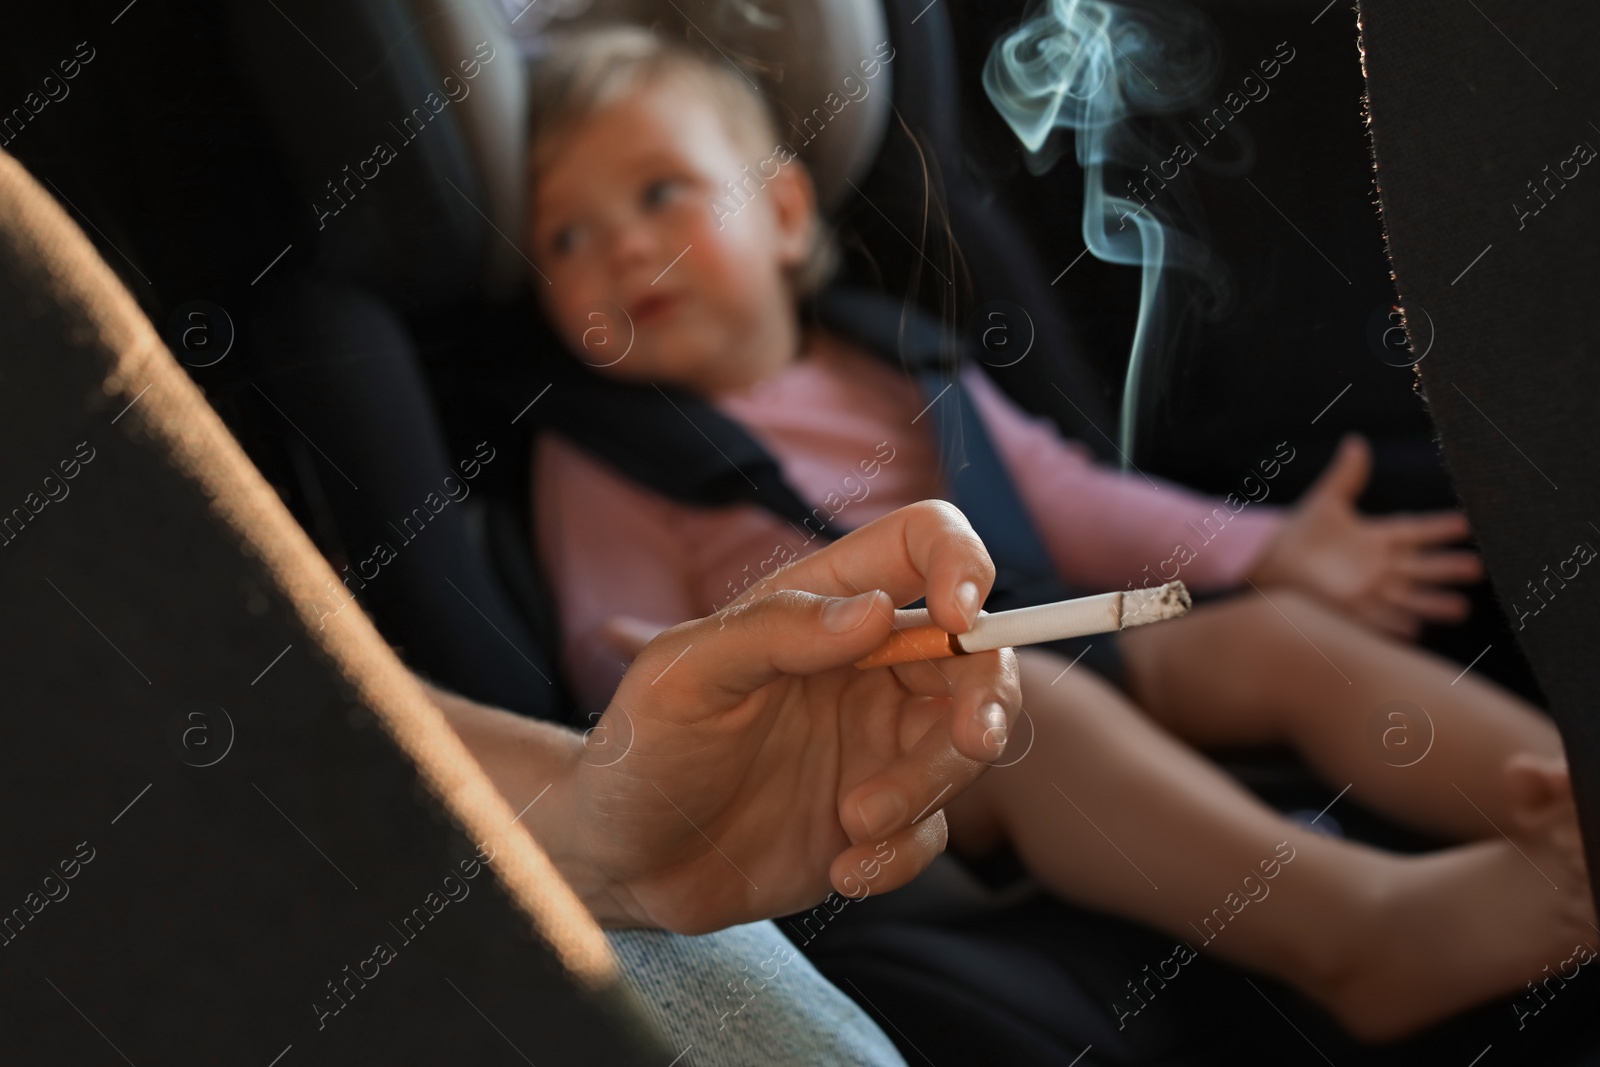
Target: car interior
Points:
(365, 324)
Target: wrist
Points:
(1270, 567)
(540, 769)
(565, 831)
(568, 828)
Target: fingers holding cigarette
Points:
(927, 549)
(915, 637)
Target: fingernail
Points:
(967, 601)
(882, 812)
(844, 615)
(994, 721)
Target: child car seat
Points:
(456, 185)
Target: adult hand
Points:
(761, 768)
(1387, 572)
(629, 634)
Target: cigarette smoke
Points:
(1090, 66)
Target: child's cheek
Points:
(740, 254)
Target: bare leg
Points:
(1112, 812)
(1279, 667)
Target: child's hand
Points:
(1386, 572)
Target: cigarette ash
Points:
(1143, 606)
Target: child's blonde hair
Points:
(585, 70)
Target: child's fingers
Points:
(1435, 528)
(1441, 568)
(1430, 604)
(1347, 472)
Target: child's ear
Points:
(794, 202)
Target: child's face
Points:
(624, 230)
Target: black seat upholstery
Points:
(221, 822)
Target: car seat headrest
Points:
(438, 215)
(493, 118)
(806, 57)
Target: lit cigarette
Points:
(916, 638)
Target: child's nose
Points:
(631, 244)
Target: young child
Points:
(633, 144)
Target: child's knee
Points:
(1049, 678)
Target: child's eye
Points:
(661, 191)
(566, 239)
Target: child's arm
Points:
(1105, 528)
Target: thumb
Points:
(1346, 475)
(744, 648)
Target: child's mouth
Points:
(654, 306)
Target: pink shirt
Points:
(849, 433)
